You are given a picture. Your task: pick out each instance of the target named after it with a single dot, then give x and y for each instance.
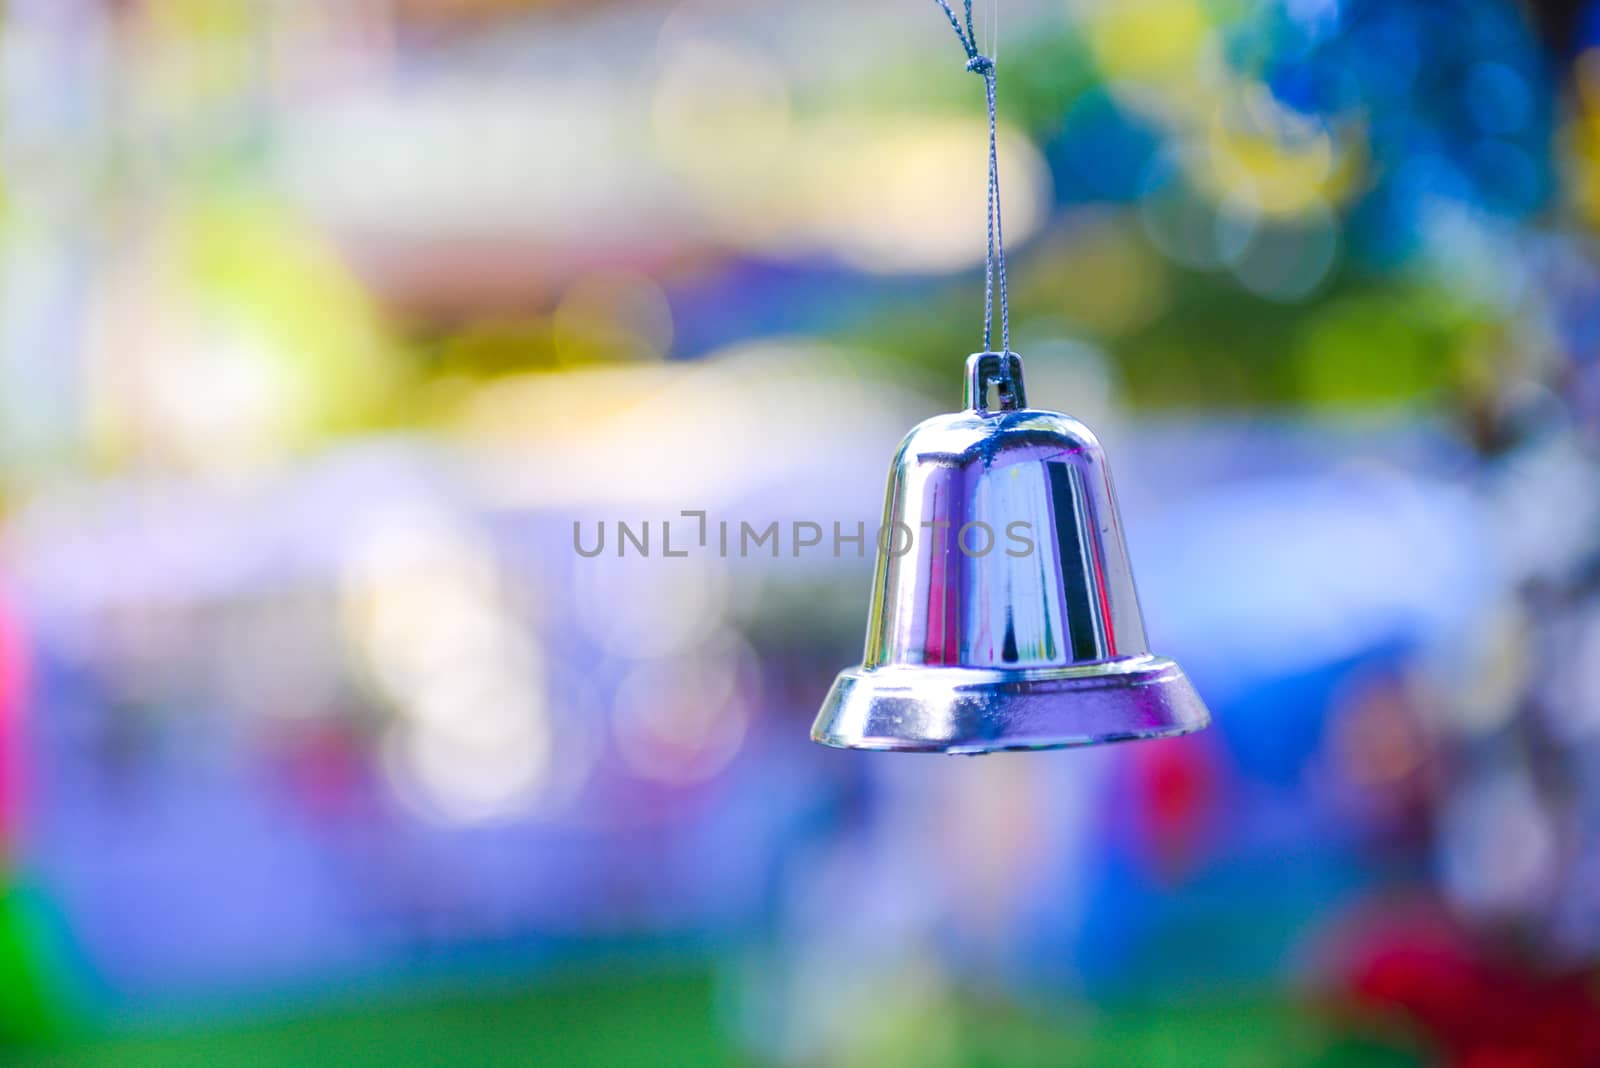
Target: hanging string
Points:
(995, 265)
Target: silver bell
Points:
(1003, 610)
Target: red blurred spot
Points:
(1177, 785)
(1481, 1012)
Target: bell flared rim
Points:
(963, 710)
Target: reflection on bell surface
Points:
(1003, 610)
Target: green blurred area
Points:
(674, 1019)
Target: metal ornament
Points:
(1003, 610)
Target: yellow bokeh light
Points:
(1148, 39)
(1582, 138)
(1260, 157)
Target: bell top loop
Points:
(985, 369)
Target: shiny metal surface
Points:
(1003, 611)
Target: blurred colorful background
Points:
(322, 326)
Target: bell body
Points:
(1003, 611)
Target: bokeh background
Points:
(323, 324)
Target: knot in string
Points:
(995, 264)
